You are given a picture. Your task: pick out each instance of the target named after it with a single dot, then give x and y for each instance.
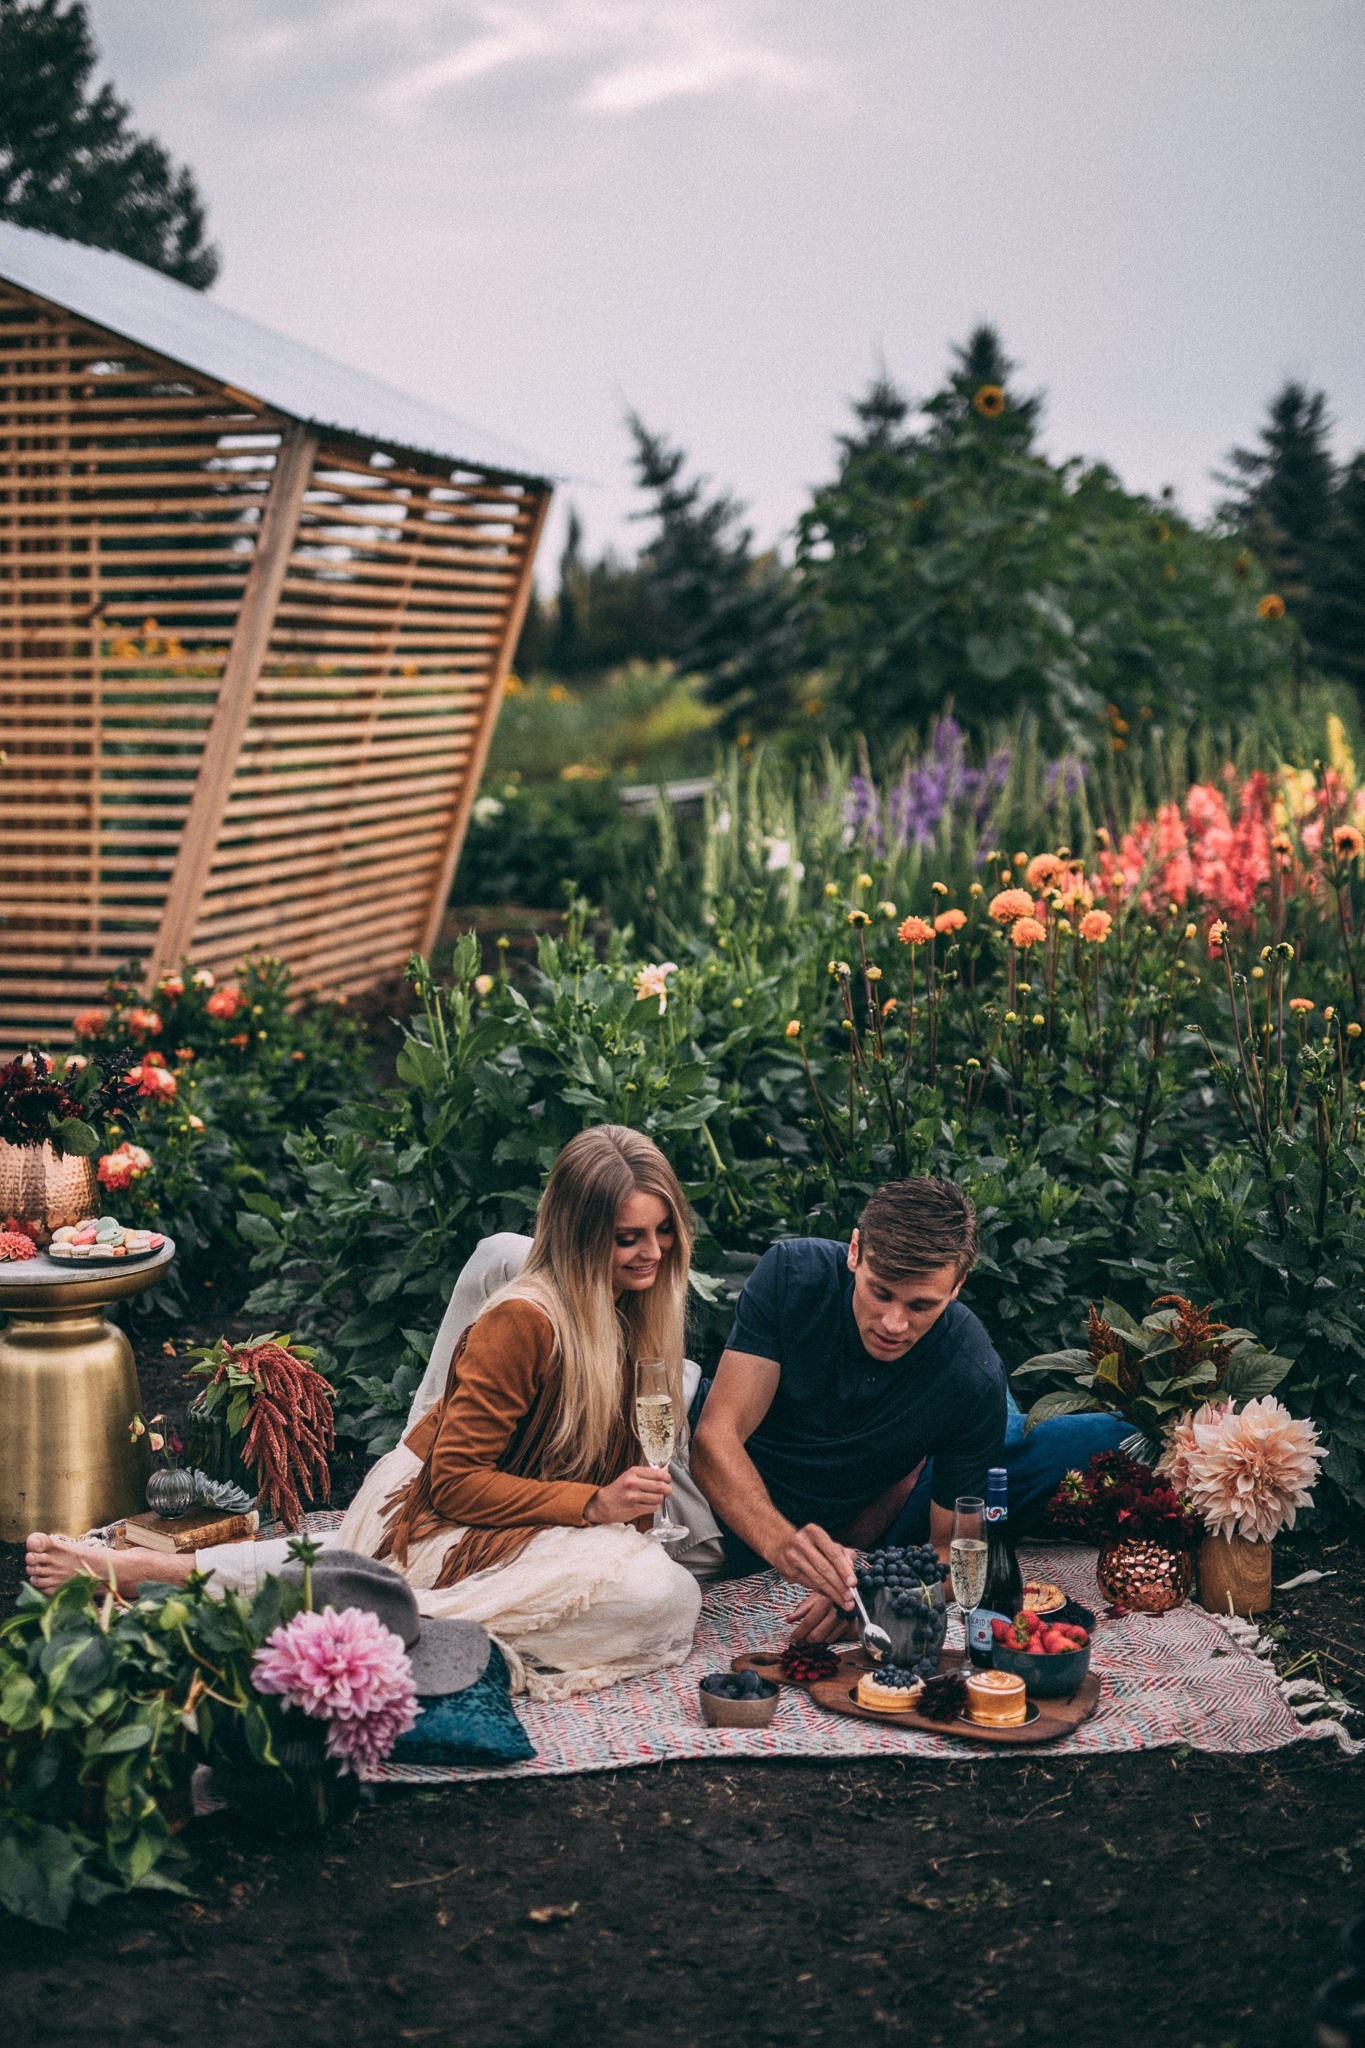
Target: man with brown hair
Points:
(857, 1395)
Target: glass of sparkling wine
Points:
(656, 1425)
(967, 1553)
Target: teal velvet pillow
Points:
(476, 1726)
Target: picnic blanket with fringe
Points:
(1183, 1677)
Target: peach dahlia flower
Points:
(1248, 1472)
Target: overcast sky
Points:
(727, 213)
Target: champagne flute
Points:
(967, 1556)
(656, 1425)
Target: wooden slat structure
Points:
(249, 663)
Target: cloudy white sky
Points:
(726, 213)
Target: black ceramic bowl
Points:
(1045, 1678)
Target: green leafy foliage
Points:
(958, 563)
(251, 1065)
(71, 163)
(106, 1707)
(1132, 1115)
(1153, 1371)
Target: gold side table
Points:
(68, 1390)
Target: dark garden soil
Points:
(1171, 1898)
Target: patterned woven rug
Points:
(1179, 1678)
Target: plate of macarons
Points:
(102, 1241)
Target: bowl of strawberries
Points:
(1052, 1657)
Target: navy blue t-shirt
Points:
(844, 1426)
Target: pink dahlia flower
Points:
(344, 1667)
(1247, 1472)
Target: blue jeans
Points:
(1035, 1464)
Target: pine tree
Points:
(951, 563)
(727, 610)
(881, 414)
(983, 367)
(72, 165)
(1340, 593)
(564, 649)
(1281, 496)
(914, 561)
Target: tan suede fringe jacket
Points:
(483, 1445)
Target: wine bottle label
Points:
(979, 1636)
(996, 1513)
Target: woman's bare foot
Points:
(51, 1560)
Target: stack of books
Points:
(199, 1530)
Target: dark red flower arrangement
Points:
(1115, 1498)
(63, 1102)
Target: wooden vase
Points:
(42, 1189)
(1234, 1575)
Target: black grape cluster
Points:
(900, 1588)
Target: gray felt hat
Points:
(446, 1656)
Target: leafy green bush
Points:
(1137, 1099)
(106, 1707)
(526, 840)
(641, 712)
(232, 1071)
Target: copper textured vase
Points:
(42, 1189)
(1146, 1576)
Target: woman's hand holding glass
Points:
(657, 1426)
(640, 1491)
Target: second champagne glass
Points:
(656, 1425)
(967, 1554)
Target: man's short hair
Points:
(912, 1227)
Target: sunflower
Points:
(989, 401)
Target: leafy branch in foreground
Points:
(1151, 1372)
(106, 1707)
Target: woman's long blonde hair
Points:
(568, 1276)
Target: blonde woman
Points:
(514, 1501)
(518, 1500)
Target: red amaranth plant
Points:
(281, 1408)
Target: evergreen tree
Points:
(727, 610)
(72, 165)
(954, 563)
(603, 615)
(1340, 595)
(983, 367)
(565, 648)
(1281, 496)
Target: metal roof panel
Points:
(145, 306)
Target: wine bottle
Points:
(1004, 1591)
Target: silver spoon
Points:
(875, 1640)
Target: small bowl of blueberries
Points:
(737, 1699)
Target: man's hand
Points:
(814, 1560)
(637, 1492)
(818, 1620)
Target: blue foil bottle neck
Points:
(997, 1494)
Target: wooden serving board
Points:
(1055, 1717)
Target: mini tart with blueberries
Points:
(889, 1689)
